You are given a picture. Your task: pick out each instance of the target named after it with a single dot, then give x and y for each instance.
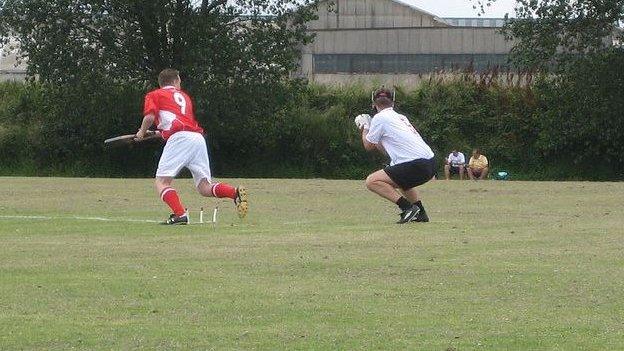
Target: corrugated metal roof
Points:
(405, 3)
(416, 8)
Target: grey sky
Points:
(463, 8)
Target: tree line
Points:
(94, 60)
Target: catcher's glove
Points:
(363, 121)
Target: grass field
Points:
(317, 265)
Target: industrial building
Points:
(382, 41)
(10, 68)
(393, 42)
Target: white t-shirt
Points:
(398, 137)
(456, 161)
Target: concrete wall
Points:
(451, 40)
(9, 69)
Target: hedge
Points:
(551, 129)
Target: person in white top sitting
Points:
(455, 164)
(412, 161)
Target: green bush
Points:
(555, 129)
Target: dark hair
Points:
(383, 98)
(167, 76)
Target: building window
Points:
(405, 63)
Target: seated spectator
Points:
(455, 163)
(478, 167)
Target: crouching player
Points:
(412, 161)
(171, 110)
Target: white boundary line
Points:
(79, 218)
(98, 219)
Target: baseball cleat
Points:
(242, 206)
(409, 214)
(173, 219)
(421, 217)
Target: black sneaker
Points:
(242, 206)
(421, 217)
(409, 214)
(173, 219)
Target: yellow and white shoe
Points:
(242, 206)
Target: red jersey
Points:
(173, 110)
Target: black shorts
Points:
(454, 169)
(413, 173)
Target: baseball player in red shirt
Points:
(171, 110)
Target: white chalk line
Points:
(126, 220)
(99, 219)
(80, 218)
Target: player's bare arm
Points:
(368, 146)
(148, 121)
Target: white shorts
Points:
(185, 149)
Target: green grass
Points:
(317, 265)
